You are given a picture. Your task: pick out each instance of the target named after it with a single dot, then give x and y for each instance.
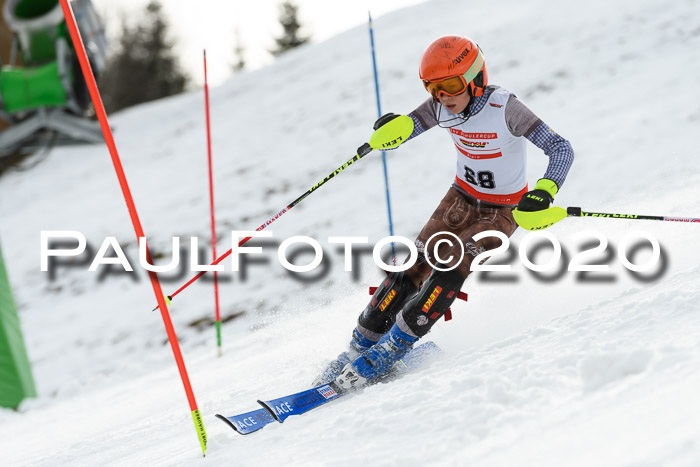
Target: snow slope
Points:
(576, 371)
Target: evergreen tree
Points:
(290, 24)
(144, 68)
(239, 52)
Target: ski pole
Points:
(577, 212)
(538, 220)
(391, 135)
(362, 151)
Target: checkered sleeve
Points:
(417, 127)
(558, 149)
(423, 118)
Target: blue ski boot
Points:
(358, 344)
(377, 361)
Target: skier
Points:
(489, 127)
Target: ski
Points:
(304, 401)
(296, 404)
(248, 422)
(301, 402)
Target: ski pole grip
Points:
(364, 150)
(573, 212)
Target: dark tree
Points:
(290, 24)
(239, 52)
(144, 68)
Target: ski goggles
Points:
(455, 85)
(449, 86)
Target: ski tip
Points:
(227, 421)
(269, 409)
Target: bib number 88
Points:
(484, 179)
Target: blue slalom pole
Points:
(379, 114)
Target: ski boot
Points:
(358, 344)
(377, 361)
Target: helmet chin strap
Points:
(462, 117)
(459, 118)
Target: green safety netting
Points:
(16, 381)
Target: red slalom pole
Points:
(109, 140)
(211, 208)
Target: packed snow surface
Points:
(552, 369)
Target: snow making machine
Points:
(43, 97)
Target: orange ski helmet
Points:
(454, 56)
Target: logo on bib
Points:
(472, 144)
